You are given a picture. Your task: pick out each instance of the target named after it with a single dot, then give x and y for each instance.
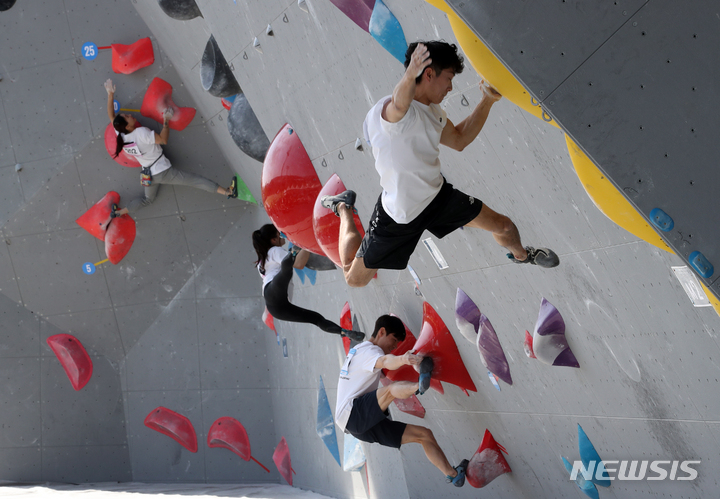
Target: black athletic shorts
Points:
(369, 424)
(388, 245)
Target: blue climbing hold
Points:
(325, 425)
(589, 455)
(585, 485)
(661, 220)
(301, 274)
(311, 274)
(386, 29)
(701, 264)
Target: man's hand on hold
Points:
(168, 114)
(419, 60)
(411, 359)
(489, 91)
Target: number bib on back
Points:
(132, 149)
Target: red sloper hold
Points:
(73, 357)
(327, 225)
(127, 59)
(289, 188)
(230, 434)
(158, 97)
(529, 345)
(97, 218)
(226, 103)
(346, 323)
(436, 341)
(410, 405)
(281, 457)
(407, 373)
(110, 144)
(174, 425)
(119, 238)
(488, 463)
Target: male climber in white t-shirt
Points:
(362, 407)
(405, 130)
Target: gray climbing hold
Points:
(182, 10)
(303, 6)
(319, 262)
(256, 45)
(18, 167)
(358, 145)
(245, 129)
(269, 31)
(5, 5)
(215, 74)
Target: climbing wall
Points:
(178, 322)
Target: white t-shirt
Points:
(140, 143)
(272, 264)
(358, 376)
(407, 157)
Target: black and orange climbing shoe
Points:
(542, 257)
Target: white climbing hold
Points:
(18, 167)
(358, 144)
(269, 31)
(256, 45)
(303, 6)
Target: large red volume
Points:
(97, 218)
(410, 405)
(127, 59)
(488, 463)
(158, 97)
(408, 373)
(327, 225)
(289, 188)
(73, 357)
(119, 238)
(281, 457)
(174, 425)
(346, 323)
(436, 341)
(230, 434)
(110, 145)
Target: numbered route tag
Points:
(88, 268)
(116, 106)
(89, 51)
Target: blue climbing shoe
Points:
(459, 480)
(426, 367)
(332, 202)
(542, 257)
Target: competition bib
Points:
(348, 359)
(132, 149)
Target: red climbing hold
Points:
(529, 345)
(289, 188)
(111, 143)
(327, 225)
(346, 323)
(73, 357)
(488, 463)
(407, 373)
(174, 425)
(119, 238)
(230, 434)
(281, 457)
(158, 97)
(127, 59)
(410, 405)
(97, 218)
(436, 341)
(268, 319)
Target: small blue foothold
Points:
(701, 264)
(301, 274)
(311, 274)
(661, 220)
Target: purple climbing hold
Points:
(467, 316)
(491, 353)
(549, 343)
(359, 11)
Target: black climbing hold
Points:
(319, 262)
(215, 73)
(182, 10)
(245, 129)
(6, 4)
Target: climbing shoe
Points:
(332, 202)
(542, 257)
(233, 188)
(353, 335)
(113, 211)
(459, 480)
(426, 367)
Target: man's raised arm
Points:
(404, 91)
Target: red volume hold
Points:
(127, 59)
(174, 425)
(97, 218)
(230, 434)
(119, 238)
(436, 341)
(281, 457)
(73, 357)
(488, 463)
(158, 97)
(111, 143)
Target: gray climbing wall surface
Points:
(178, 322)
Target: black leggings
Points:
(276, 300)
